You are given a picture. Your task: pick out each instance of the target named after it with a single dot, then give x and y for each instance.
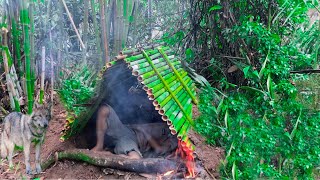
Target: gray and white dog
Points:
(21, 130)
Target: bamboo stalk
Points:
(6, 68)
(104, 31)
(16, 81)
(32, 52)
(43, 68)
(183, 130)
(177, 121)
(85, 28)
(96, 32)
(158, 83)
(73, 25)
(160, 86)
(52, 71)
(168, 99)
(26, 29)
(125, 23)
(149, 19)
(159, 91)
(109, 13)
(16, 45)
(118, 28)
(168, 110)
(166, 107)
(111, 64)
(146, 69)
(168, 88)
(139, 60)
(170, 103)
(146, 73)
(145, 64)
(148, 52)
(12, 72)
(131, 51)
(178, 75)
(166, 74)
(15, 96)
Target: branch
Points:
(306, 71)
(105, 159)
(72, 22)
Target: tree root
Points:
(105, 159)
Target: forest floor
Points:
(209, 157)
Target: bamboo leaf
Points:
(298, 6)
(220, 106)
(234, 171)
(253, 89)
(226, 116)
(270, 86)
(296, 125)
(246, 71)
(264, 65)
(215, 7)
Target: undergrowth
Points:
(263, 124)
(77, 89)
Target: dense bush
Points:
(77, 88)
(265, 130)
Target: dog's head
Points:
(40, 116)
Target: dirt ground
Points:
(207, 157)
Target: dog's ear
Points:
(37, 105)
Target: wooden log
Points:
(306, 71)
(106, 159)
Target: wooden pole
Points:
(43, 68)
(52, 73)
(104, 31)
(73, 25)
(85, 28)
(97, 34)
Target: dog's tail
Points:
(4, 151)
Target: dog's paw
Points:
(38, 169)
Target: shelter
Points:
(144, 85)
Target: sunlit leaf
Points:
(215, 7)
(246, 70)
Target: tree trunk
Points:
(43, 69)
(104, 159)
(85, 29)
(104, 31)
(149, 18)
(97, 34)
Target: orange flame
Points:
(187, 155)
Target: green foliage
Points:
(215, 7)
(266, 131)
(77, 89)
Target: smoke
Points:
(123, 92)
